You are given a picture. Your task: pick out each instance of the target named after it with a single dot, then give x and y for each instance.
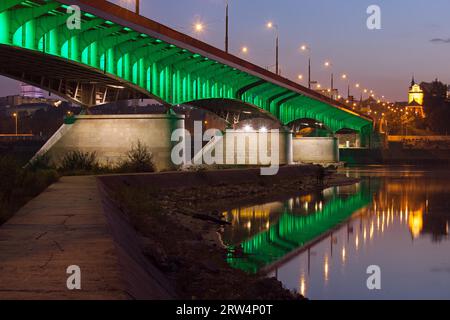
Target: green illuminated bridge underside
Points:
(119, 55)
(293, 232)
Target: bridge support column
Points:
(112, 136)
(316, 150)
(240, 147)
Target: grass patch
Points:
(18, 185)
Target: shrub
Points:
(41, 162)
(32, 183)
(9, 173)
(76, 161)
(139, 159)
(18, 185)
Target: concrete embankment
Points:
(71, 224)
(396, 154)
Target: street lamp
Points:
(271, 25)
(16, 117)
(199, 27)
(244, 49)
(327, 64)
(226, 27)
(345, 77)
(306, 48)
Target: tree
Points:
(436, 107)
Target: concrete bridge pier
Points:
(322, 150)
(111, 137)
(242, 147)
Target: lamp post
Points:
(328, 64)
(226, 28)
(308, 49)
(138, 5)
(345, 77)
(199, 27)
(271, 25)
(16, 117)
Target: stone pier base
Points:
(316, 150)
(112, 136)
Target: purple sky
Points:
(382, 60)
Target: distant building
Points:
(28, 95)
(332, 94)
(28, 109)
(415, 99)
(28, 91)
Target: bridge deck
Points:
(117, 54)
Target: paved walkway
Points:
(63, 226)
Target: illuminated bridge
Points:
(118, 55)
(293, 232)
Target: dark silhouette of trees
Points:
(437, 107)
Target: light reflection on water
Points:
(321, 244)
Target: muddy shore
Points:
(179, 218)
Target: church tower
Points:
(415, 93)
(415, 99)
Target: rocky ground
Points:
(180, 233)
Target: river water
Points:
(321, 244)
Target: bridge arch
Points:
(234, 111)
(310, 127)
(118, 55)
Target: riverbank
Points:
(143, 236)
(179, 219)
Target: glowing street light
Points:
(327, 64)
(271, 25)
(16, 117)
(199, 27)
(345, 77)
(305, 48)
(244, 49)
(300, 77)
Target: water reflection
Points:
(321, 244)
(262, 235)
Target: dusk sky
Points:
(383, 60)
